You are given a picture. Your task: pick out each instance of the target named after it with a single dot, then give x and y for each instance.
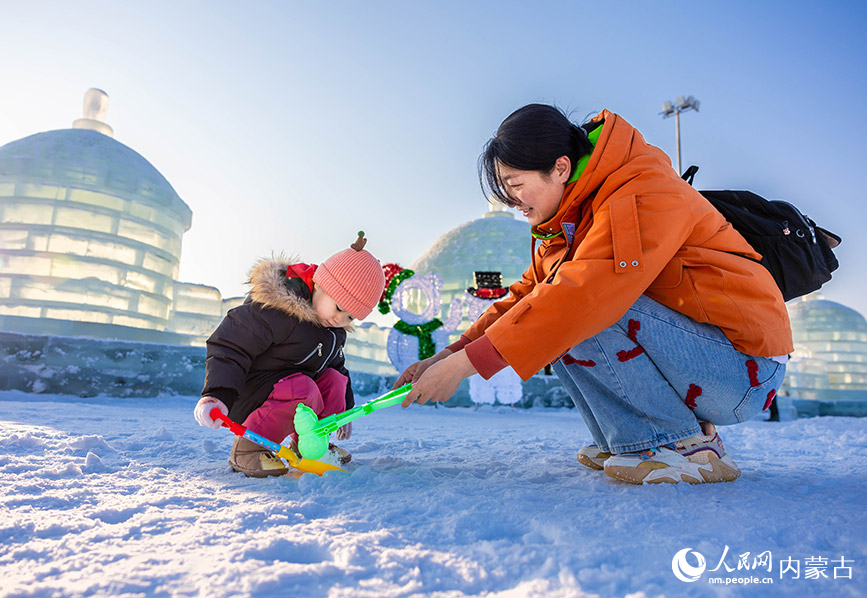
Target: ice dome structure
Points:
(496, 242)
(830, 350)
(90, 233)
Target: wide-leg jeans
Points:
(649, 379)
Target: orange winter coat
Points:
(638, 229)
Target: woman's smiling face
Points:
(536, 194)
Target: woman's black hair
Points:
(531, 138)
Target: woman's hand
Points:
(414, 372)
(439, 381)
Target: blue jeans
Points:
(649, 379)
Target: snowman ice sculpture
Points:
(505, 385)
(416, 336)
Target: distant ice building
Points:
(90, 240)
(829, 365)
(494, 242)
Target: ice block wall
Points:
(90, 231)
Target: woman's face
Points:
(536, 194)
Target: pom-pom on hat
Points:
(353, 278)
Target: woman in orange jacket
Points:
(655, 313)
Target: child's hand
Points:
(203, 410)
(344, 431)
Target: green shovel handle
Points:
(313, 433)
(329, 424)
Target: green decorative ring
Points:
(385, 305)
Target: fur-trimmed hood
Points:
(268, 287)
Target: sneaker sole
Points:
(597, 464)
(715, 470)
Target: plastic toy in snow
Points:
(313, 432)
(301, 464)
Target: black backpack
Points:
(796, 252)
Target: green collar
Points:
(545, 237)
(593, 136)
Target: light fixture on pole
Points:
(681, 104)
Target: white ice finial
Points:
(496, 208)
(95, 108)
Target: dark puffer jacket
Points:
(274, 334)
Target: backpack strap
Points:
(689, 175)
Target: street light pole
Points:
(680, 105)
(677, 138)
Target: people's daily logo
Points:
(683, 570)
(689, 565)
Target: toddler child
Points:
(284, 346)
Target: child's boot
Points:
(255, 461)
(336, 455)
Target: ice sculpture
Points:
(407, 340)
(494, 242)
(90, 231)
(830, 358)
(504, 386)
(95, 109)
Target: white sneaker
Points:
(593, 457)
(696, 460)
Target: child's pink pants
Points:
(275, 418)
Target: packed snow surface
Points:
(130, 497)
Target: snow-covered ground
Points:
(129, 497)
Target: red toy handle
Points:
(282, 451)
(236, 428)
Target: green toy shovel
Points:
(313, 432)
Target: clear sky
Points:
(287, 126)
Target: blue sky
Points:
(287, 126)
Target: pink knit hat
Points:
(353, 278)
